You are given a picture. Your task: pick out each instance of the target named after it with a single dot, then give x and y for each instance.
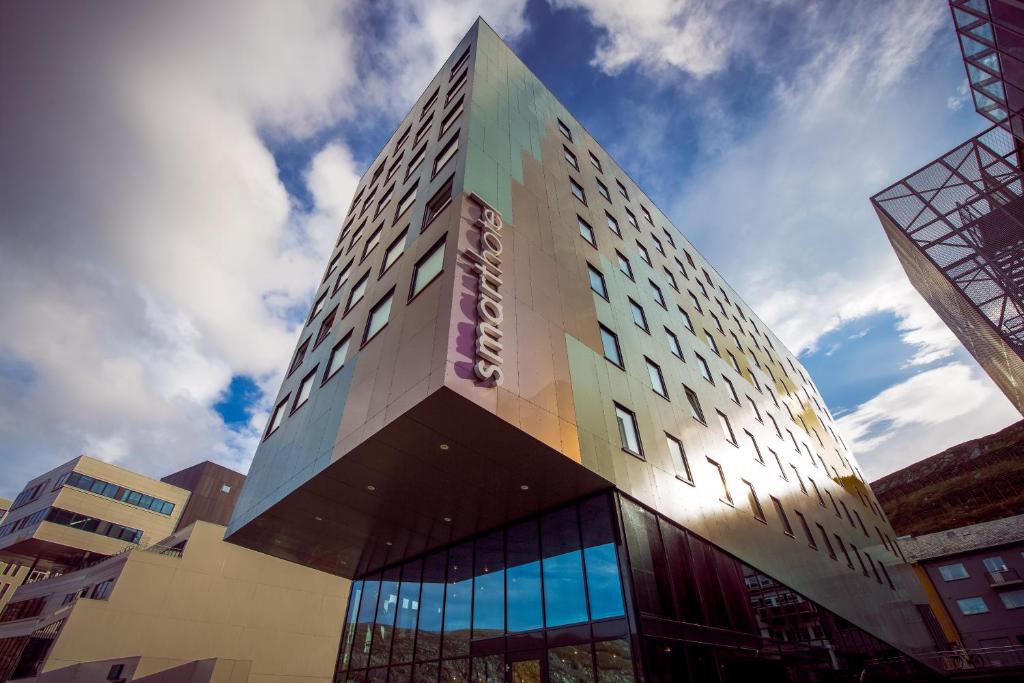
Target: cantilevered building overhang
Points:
(957, 226)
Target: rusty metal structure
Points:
(957, 224)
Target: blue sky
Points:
(170, 211)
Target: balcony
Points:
(1005, 578)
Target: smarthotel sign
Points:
(485, 261)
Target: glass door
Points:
(526, 668)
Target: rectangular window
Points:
(356, 295)
(603, 190)
(417, 159)
(712, 344)
(828, 544)
(702, 365)
(754, 410)
(842, 546)
(564, 130)
(428, 268)
(437, 204)
(775, 425)
(639, 317)
(384, 201)
(1012, 599)
(807, 530)
(277, 416)
(658, 296)
(817, 492)
(613, 224)
(300, 354)
(429, 104)
(423, 130)
(731, 389)
(577, 191)
(393, 169)
(953, 572)
(632, 219)
(696, 412)
(597, 282)
(726, 497)
(679, 460)
(994, 564)
(778, 461)
(695, 301)
(451, 117)
(658, 245)
(657, 381)
(622, 188)
(595, 162)
(723, 420)
(755, 449)
(305, 388)
(446, 154)
(459, 85)
(671, 279)
(459, 64)
(687, 323)
(803, 489)
(371, 243)
(395, 250)
(646, 213)
(325, 327)
(406, 202)
(317, 307)
(624, 266)
(755, 503)
(975, 605)
(781, 512)
(398, 145)
(644, 256)
(586, 232)
(337, 359)
(629, 433)
(379, 315)
(610, 345)
(570, 157)
(673, 343)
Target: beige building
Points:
(12, 574)
(167, 609)
(84, 510)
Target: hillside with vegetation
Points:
(972, 482)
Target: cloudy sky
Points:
(174, 175)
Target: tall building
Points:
(548, 441)
(957, 225)
(12, 574)
(183, 607)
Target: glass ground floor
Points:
(599, 591)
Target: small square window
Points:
(317, 307)
(417, 159)
(687, 323)
(658, 296)
(423, 130)
(629, 432)
(647, 214)
(622, 188)
(460, 63)
(602, 190)
(1012, 599)
(632, 219)
(755, 505)
(754, 447)
(459, 85)
(371, 243)
(994, 564)
(975, 605)
(731, 389)
(451, 117)
(806, 529)
(300, 354)
(395, 250)
(644, 256)
(953, 572)
(781, 512)
(325, 327)
(429, 104)
(595, 162)
(610, 346)
(357, 293)
(597, 282)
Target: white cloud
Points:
(150, 249)
(924, 415)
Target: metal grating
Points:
(964, 212)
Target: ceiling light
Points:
(444, 447)
(371, 487)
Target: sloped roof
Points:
(964, 539)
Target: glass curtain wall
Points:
(541, 600)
